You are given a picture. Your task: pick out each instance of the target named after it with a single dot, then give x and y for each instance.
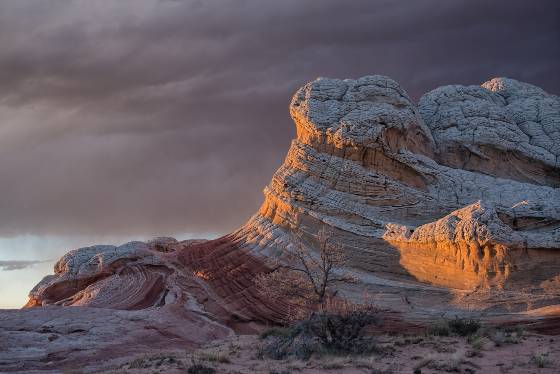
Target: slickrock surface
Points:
(449, 207)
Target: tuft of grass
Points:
(280, 371)
(464, 327)
(440, 328)
(453, 364)
(477, 342)
(541, 359)
(213, 357)
(364, 363)
(457, 326)
(200, 369)
(154, 361)
(275, 332)
(425, 362)
(333, 365)
(501, 337)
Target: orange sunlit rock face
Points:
(382, 175)
(472, 248)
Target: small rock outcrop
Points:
(106, 303)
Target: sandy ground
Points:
(398, 354)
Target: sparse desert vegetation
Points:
(322, 333)
(541, 359)
(342, 343)
(154, 361)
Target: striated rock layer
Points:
(105, 304)
(450, 206)
(460, 193)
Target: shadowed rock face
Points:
(451, 206)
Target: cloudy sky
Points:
(131, 119)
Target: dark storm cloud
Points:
(144, 117)
(17, 265)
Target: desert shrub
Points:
(457, 326)
(296, 344)
(213, 357)
(448, 364)
(477, 341)
(342, 333)
(498, 335)
(517, 330)
(323, 333)
(154, 361)
(541, 360)
(275, 331)
(501, 337)
(464, 327)
(440, 328)
(424, 362)
(333, 365)
(303, 277)
(200, 369)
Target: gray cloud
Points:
(17, 265)
(156, 117)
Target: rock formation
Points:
(115, 302)
(459, 193)
(451, 206)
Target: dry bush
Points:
(343, 333)
(541, 359)
(213, 357)
(339, 331)
(156, 360)
(456, 326)
(305, 278)
(200, 369)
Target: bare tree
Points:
(306, 277)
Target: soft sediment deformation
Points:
(449, 206)
(460, 192)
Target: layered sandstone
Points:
(451, 206)
(460, 193)
(456, 196)
(107, 303)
